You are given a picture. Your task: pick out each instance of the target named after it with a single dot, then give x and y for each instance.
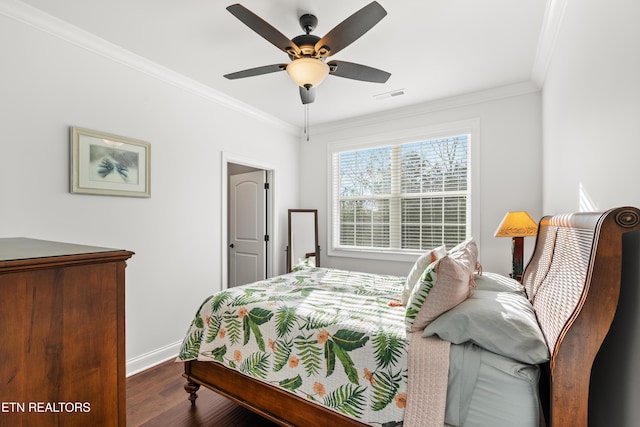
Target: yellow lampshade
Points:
(517, 224)
(307, 72)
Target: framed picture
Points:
(110, 165)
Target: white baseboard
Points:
(152, 358)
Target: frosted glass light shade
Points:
(307, 72)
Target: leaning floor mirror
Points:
(303, 246)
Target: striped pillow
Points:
(445, 283)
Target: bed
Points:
(570, 288)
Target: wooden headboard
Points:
(573, 281)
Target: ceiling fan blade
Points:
(350, 29)
(350, 70)
(307, 95)
(265, 69)
(266, 30)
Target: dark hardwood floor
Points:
(156, 398)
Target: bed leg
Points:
(191, 388)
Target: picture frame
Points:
(110, 165)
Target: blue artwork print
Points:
(106, 167)
(112, 164)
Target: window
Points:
(401, 198)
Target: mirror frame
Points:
(317, 247)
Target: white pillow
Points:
(418, 269)
(497, 282)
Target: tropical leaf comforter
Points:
(334, 337)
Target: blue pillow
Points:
(501, 322)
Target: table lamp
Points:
(517, 225)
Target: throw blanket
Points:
(334, 337)
(427, 389)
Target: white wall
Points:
(591, 116)
(509, 160)
(48, 84)
(592, 108)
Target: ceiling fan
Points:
(308, 53)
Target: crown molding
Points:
(56, 27)
(551, 24)
(458, 101)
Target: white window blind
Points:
(401, 198)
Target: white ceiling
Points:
(433, 49)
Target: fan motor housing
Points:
(306, 43)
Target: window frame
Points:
(470, 127)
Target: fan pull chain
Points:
(306, 120)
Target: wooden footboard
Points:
(573, 281)
(277, 405)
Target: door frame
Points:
(271, 223)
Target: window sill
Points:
(375, 255)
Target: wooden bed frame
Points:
(573, 280)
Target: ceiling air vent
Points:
(391, 94)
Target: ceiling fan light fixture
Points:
(307, 72)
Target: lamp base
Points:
(517, 250)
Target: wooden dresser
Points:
(62, 334)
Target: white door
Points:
(247, 229)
